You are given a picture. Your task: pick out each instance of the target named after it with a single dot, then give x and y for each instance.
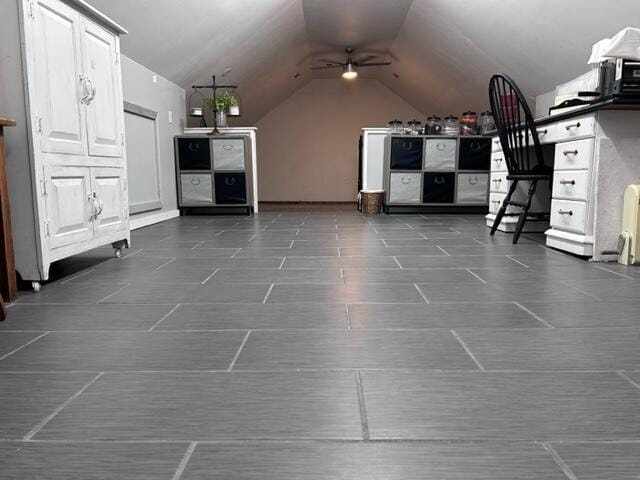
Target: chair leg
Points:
(503, 208)
(525, 210)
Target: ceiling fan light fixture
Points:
(349, 72)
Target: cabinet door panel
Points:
(69, 205)
(104, 109)
(111, 200)
(56, 87)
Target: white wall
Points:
(163, 97)
(308, 145)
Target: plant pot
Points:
(221, 119)
(234, 110)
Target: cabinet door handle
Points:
(572, 125)
(473, 181)
(566, 153)
(565, 212)
(439, 180)
(92, 200)
(85, 88)
(567, 182)
(196, 181)
(92, 88)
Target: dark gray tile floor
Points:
(324, 345)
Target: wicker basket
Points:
(371, 201)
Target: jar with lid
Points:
(395, 127)
(469, 123)
(487, 123)
(433, 126)
(414, 127)
(451, 126)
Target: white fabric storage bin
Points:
(195, 189)
(228, 154)
(440, 154)
(473, 188)
(405, 188)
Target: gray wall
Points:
(167, 99)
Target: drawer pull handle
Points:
(405, 180)
(195, 181)
(495, 201)
(227, 147)
(573, 125)
(543, 132)
(473, 181)
(439, 180)
(565, 212)
(230, 181)
(497, 180)
(566, 153)
(194, 147)
(567, 182)
(408, 146)
(498, 160)
(441, 147)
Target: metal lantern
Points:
(195, 111)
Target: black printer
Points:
(619, 79)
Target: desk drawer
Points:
(495, 144)
(576, 155)
(569, 215)
(499, 183)
(571, 184)
(575, 128)
(495, 202)
(498, 163)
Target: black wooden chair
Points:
(521, 147)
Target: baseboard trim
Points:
(146, 220)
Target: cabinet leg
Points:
(118, 246)
(35, 286)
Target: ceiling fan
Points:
(350, 67)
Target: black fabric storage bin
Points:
(406, 153)
(475, 154)
(438, 188)
(230, 188)
(194, 154)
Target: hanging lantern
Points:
(197, 111)
(234, 110)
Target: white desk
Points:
(597, 155)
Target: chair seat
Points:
(529, 177)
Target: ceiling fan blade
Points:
(366, 59)
(328, 62)
(374, 64)
(326, 66)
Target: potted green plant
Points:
(223, 105)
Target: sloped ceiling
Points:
(444, 51)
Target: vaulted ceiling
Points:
(443, 51)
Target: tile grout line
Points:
(132, 254)
(558, 460)
(77, 276)
(517, 261)
(185, 460)
(615, 273)
(622, 374)
(164, 317)
(566, 283)
(237, 252)
(481, 243)
(7, 355)
(264, 300)
(540, 319)
(443, 250)
(235, 357)
(426, 300)
(476, 275)
(112, 294)
(364, 422)
(399, 264)
(468, 350)
(61, 407)
(282, 263)
(348, 317)
(197, 245)
(166, 263)
(210, 276)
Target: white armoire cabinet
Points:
(60, 79)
